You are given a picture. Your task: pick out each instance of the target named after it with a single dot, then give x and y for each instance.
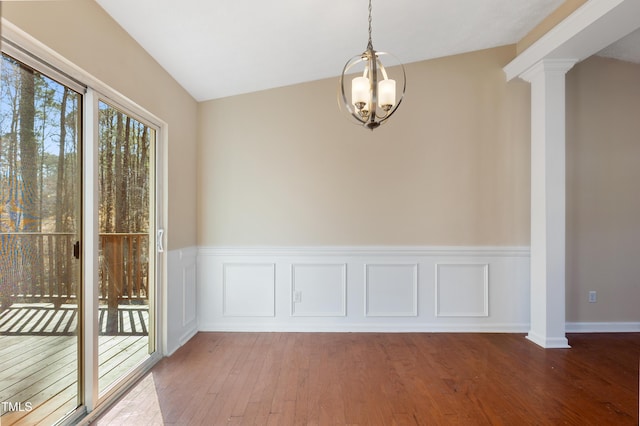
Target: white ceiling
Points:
(626, 49)
(219, 48)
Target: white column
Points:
(547, 79)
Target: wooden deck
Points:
(39, 357)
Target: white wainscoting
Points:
(389, 289)
(181, 294)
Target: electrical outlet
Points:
(297, 297)
(593, 297)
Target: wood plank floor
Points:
(39, 358)
(387, 379)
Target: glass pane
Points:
(39, 225)
(126, 246)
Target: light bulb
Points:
(360, 92)
(386, 94)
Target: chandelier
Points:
(373, 93)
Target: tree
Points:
(28, 151)
(61, 157)
(29, 172)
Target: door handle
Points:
(159, 240)
(76, 250)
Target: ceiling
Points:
(626, 49)
(219, 48)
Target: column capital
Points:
(547, 66)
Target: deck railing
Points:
(36, 267)
(124, 266)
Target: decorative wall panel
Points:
(189, 292)
(248, 289)
(391, 290)
(462, 290)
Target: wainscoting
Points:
(392, 289)
(180, 298)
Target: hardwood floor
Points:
(387, 379)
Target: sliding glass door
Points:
(78, 255)
(40, 274)
(126, 221)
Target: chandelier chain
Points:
(370, 44)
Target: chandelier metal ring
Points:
(374, 97)
(343, 101)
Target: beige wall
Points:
(283, 167)
(603, 195)
(84, 34)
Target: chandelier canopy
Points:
(374, 97)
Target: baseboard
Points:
(188, 335)
(365, 328)
(183, 339)
(602, 327)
